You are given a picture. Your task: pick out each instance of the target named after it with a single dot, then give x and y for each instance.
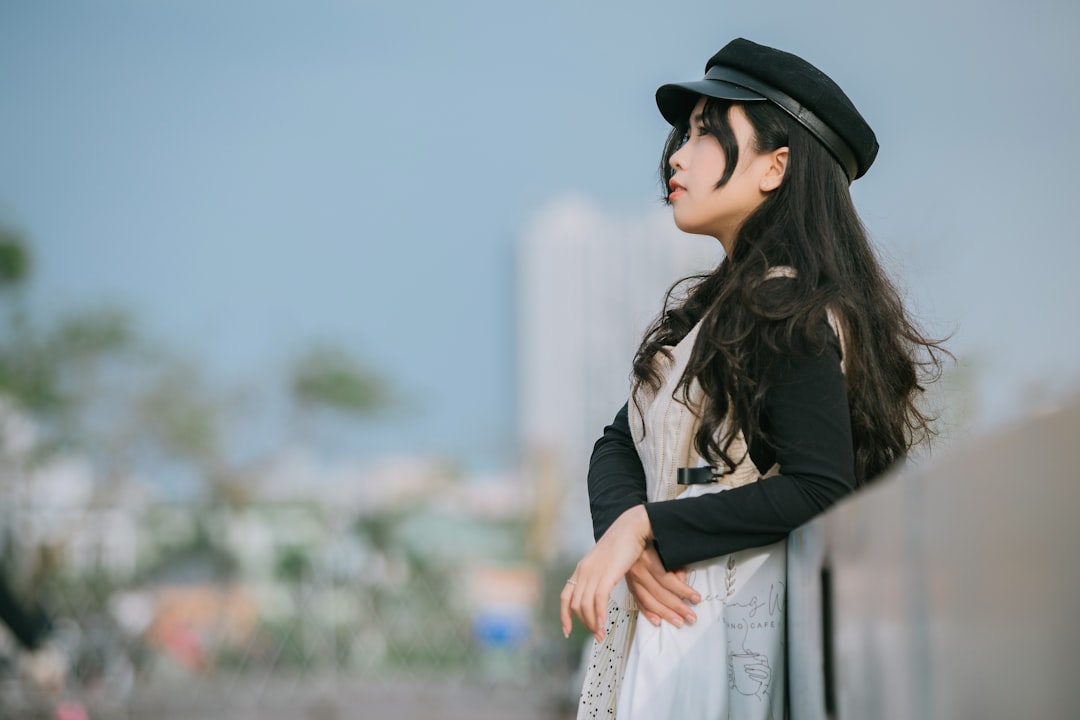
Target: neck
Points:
(727, 241)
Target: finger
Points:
(647, 602)
(583, 607)
(679, 587)
(672, 604)
(600, 601)
(564, 609)
(674, 582)
(593, 607)
(651, 595)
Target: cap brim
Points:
(676, 100)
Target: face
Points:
(699, 206)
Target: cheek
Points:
(708, 160)
(716, 167)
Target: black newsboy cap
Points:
(745, 71)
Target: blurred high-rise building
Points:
(589, 284)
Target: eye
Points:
(683, 140)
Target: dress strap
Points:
(780, 271)
(834, 321)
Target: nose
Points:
(675, 161)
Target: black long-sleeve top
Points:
(808, 424)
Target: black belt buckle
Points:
(696, 475)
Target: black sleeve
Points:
(616, 477)
(809, 425)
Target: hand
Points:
(588, 590)
(660, 594)
(749, 673)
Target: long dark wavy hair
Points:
(750, 321)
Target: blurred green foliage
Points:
(182, 416)
(91, 334)
(91, 381)
(14, 258)
(328, 377)
(93, 386)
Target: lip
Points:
(676, 189)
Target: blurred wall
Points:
(950, 592)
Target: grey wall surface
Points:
(952, 591)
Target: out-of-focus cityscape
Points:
(309, 318)
(292, 563)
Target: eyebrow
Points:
(697, 119)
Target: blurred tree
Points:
(90, 335)
(23, 375)
(91, 386)
(185, 420)
(14, 258)
(82, 355)
(52, 374)
(181, 416)
(328, 377)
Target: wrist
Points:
(638, 520)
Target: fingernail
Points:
(695, 599)
(565, 633)
(691, 619)
(678, 621)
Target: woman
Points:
(764, 392)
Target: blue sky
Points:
(250, 177)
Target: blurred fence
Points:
(946, 592)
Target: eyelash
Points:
(701, 131)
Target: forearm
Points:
(708, 526)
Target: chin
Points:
(690, 227)
(682, 224)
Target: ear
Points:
(774, 173)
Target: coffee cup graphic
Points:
(749, 673)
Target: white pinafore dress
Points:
(729, 664)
